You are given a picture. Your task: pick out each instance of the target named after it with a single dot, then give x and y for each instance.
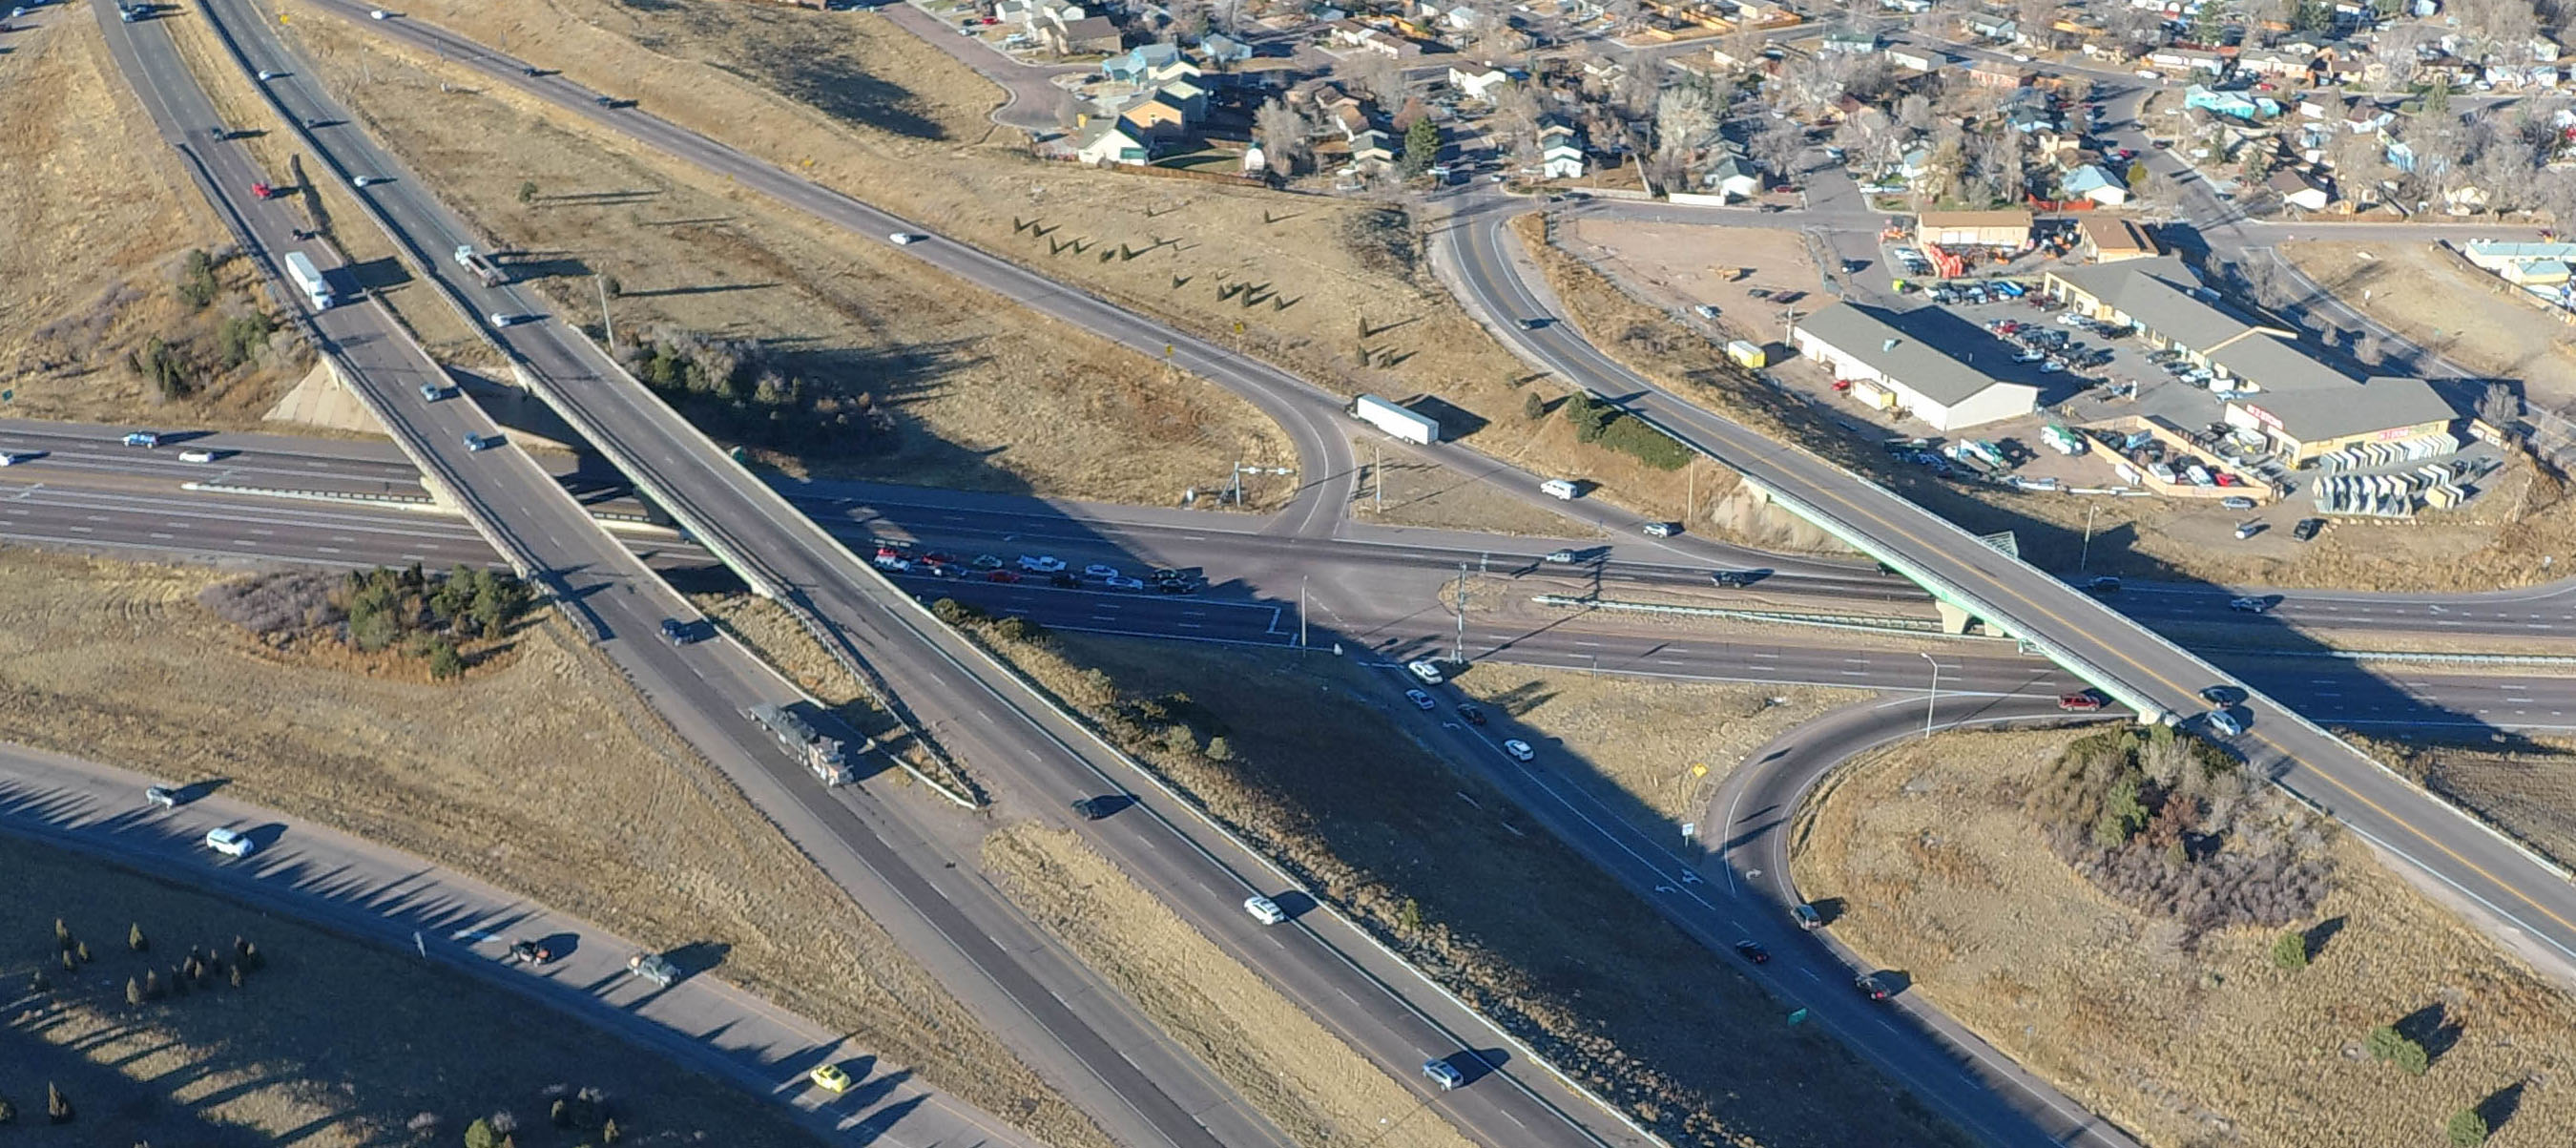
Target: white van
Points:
(1557, 488)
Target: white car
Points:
(1123, 582)
(196, 454)
(903, 239)
(163, 796)
(1520, 750)
(501, 319)
(266, 75)
(230, 843)
(2051, 367)
(1661, 530)
(2225, 723)
(1100, 570)
(12, 458)
(1264, 910)
(375, 13)
(1041, 563)
(1424, 670)
(1560, 556)
(1443, 1074)
(361, 180)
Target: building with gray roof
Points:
(1864, 345)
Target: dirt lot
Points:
(549, 778)
(1337, 293)
(299, 1053)
(1338, 792)
(1026, 406)
(1294, 1070)
(2438, 301)
(1945, 880)
(1419, 493)
(100, 213)
(1677, 266)
(1666, 744)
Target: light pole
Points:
(2085, 561)
(1240, 470)
(1301, 611)
(1932, 699)
(1458, 654)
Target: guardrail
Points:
(1863, 623)
(310, 495)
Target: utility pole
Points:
(1377, 474)
(607, 326)
(1459, 654)
(1301, 611)
(1932, 698)
(2085, 562)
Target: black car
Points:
(1064, 580)
(1870, 988)
(675, 631)
(1752, 951)
(1177, 587)
(2307, 528)
(530, 953)
(1473, 714)
(1091, 808)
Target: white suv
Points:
(1428, 673)
(230, 843)
(1041, 563)
(1264, 910)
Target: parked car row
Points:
(894, 559)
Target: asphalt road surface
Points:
(360, 888)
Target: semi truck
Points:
(317, 290)
(824, 757)
(481, 265)
(1395, 420)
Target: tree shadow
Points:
(2431, 1027)
(2500, 1105)
(840, 89)
(2319, 934)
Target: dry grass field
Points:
(1338, 792)
(1666, 744)
(2526, 789)
(549, 778)
(331, 1044)
(1294, 1070)
(1024, 405)
(860, 105)
(2438, 301)
(1946, 881)
(99, 214)
(1415, 492)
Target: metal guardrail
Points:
(311, 495)
(2420, 657)
(1862, 623)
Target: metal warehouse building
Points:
(1860, 344)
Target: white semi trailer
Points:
(1395, 420)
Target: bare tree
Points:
(2502, 27)
(2359, 162)
(1870, 138)
(1517, 111)
(2260, 17)
(1375, 71)
(2499, 406)
(1744, 45)
(1189, 20)
(1685, 115)
(2400, 50)
(1283, 134)
(1777, 146)
(2035, 16)
(1914, 114)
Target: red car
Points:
(1001, 576)
(2079, 702)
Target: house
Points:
(1987, 25)
(2236, 104)
(1090, 35)
(1560, 152)
(1993, 75)
(1460, 18)
(2187, 60)
(1848, 43)
(1478, 83)
(2275, 62)
(1351, 34)
(2298, 190)
(1916, 59)
(2108, 239)
(1865, 344)
(1734, 177)
(2364, 117)
(1909, 7)
(2094, 182)
(1914, 167)
(1190, 98)
(2029, 120)
(1221, 50)
(1109, 140)
(2007, 229)
(1135, 64)
(1372, 150)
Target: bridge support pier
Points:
(1953, 619)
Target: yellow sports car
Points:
(830, 1077)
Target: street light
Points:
(1933, 698)
(1235, 484)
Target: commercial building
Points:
(2304, 407)
(2110, 239)
(1974, 228)
(1865, 346)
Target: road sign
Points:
(1690, 829)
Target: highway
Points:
(1068, 1025)
(364, 889)
(965, 704)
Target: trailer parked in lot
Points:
(1395, 420)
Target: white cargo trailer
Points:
(1395, 420)
(317, 290)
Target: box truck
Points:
(317, 290)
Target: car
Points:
(654, 967)
(1002, 576)
(2224, 723)
(2245, 530)
(1661, 530)
(1560, 556)
(1734, 577)
(1123, 582)
(2219, 695)
(265, 75)
(1444, 1074)
(1532, 324)
(986, 562)
(2249, 605)
(1424, 670)
(1704, 311)
(143, 438)
(1063, 580)
(377, 13)
(505, 319)
(230, 842)
(196, 454)
(1170, 575)
(604, 101)
(675, 631)
(2029, 357)
(1100, 570)
(1806, 916)
(2079, 702)
(1471, 713)
(1176, 587)
(1519, 750)
(2307, 528)
(2237, 502)
(365, 180)
(1041, 563)
(163, 796)
(530, 70)
(829, 1078)
(1420, 700)
(1264, 910)
(2052, 367)
(904, 239)
(2103, 584)
(1869, 987)
(1753, 951)
(481, 442)
(525, 952)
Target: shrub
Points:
(58, 1107)
(62, 935)
(237, 974)
(2467, 1129)
(134, 938)
(954, 612)
(444, 662)
(527, 191)
(479, 1134)
(197, 286)
(2387, 1044)
(37, 983)
(133, 992)
(81, 949)
(1533, 407)
(241, 337)
(2290, 952)
(560, 1114)
(178, 981)
(70, 963)
(1018, 630)
(1644, 443)
(1219, 749)
(8, 1111)
(608, 1133)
